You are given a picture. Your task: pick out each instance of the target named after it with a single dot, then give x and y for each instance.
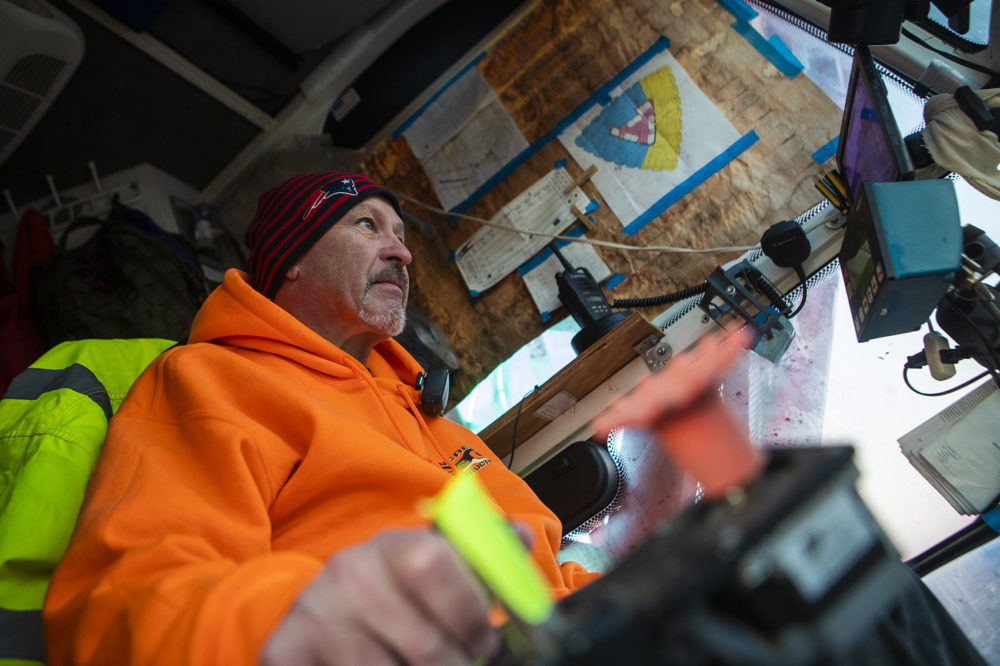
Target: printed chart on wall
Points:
(462, 137)
(491, 254)
(654, 137)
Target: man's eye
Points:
(365, 222)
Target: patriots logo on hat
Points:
(341, 186)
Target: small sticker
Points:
(560, 403)
(347, 101)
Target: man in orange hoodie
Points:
(256, 499)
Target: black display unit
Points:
(870, 148)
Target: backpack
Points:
(129, 280)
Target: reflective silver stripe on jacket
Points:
(33, 382)
(21, 635)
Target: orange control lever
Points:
(682, 406)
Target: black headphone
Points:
(433, 388)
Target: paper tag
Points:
(560, 403)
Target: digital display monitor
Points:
(870, 146)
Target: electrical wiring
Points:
(625, 303)
(952, 356)
(824, 213)
(906, 380)
(992, 363)
(802, 281)
(586, 241)
(517, 418)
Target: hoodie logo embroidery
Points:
(463, 458)
(342, 186)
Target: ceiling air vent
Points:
(42, 48)
(35, 7)
(35, 73)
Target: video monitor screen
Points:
(870, 146)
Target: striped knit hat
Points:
(294, 215)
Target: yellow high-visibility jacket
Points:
(53, 420)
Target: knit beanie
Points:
(294, 215)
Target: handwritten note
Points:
(464, 138)
(491, 254)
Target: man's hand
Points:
(402, 597)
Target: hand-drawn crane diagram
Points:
(640, 128)
(654, 136)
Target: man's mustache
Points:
(395, 274)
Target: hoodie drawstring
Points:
(404, 391)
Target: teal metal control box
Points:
(901, 251)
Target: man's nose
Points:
(395, 251)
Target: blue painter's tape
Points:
(603, 96)
(451, 256)
(546, 316)
(534, 262)
(416, 114)
(739, 9)
(693, 181)
(572, 232)
(495, 179)
(827, 151)
(615, 280)
(560, 164)
(773, 49)
(592, 205)
(791, 65)
(544, 254)
(992, 518)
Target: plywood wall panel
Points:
(543, 68)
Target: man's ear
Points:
(292, 273)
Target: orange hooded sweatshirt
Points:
(236, 466)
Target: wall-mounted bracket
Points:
(740, 289)
(655, 352)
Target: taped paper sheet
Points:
(539, 274)
(491, 254)
(958, 450)
(655, 134)
(463, 138)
